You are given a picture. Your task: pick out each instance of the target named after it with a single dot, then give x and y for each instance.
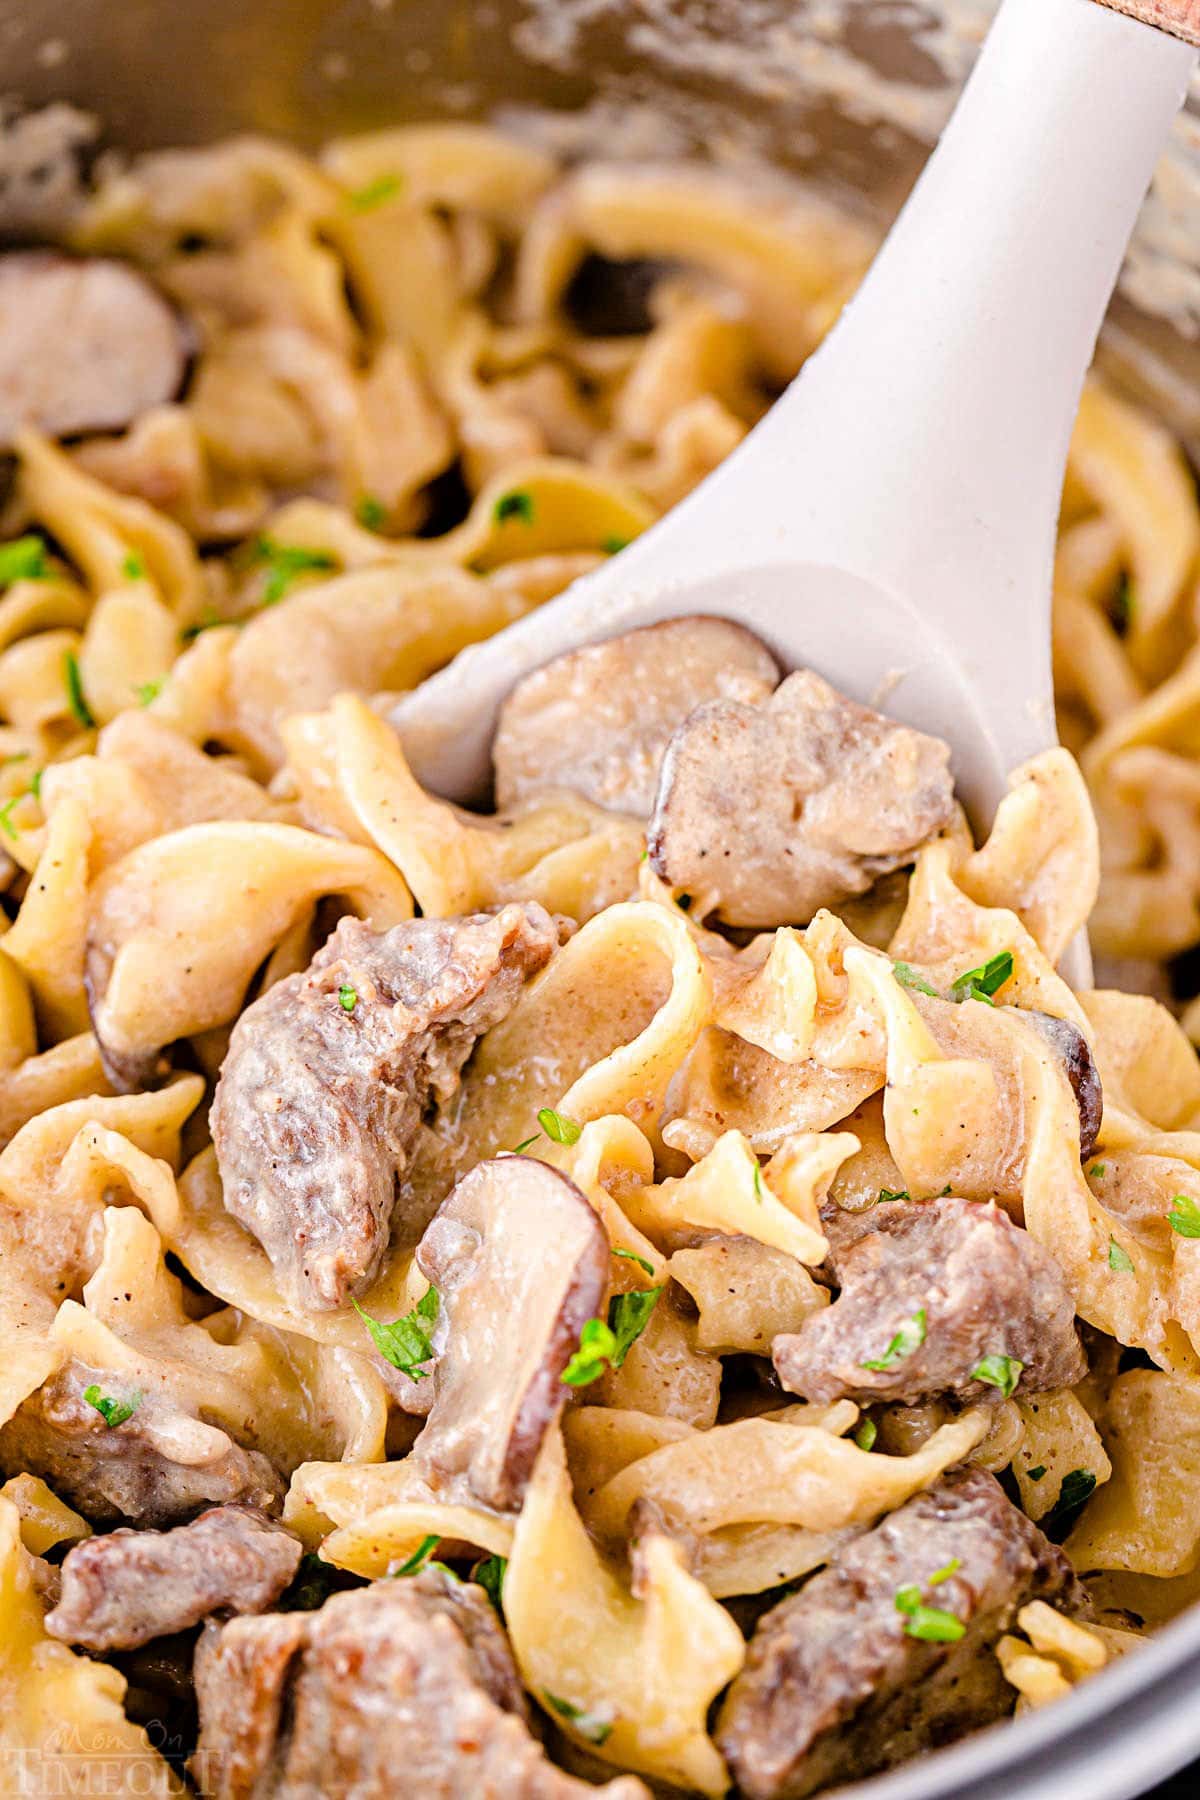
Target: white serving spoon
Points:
(891, 522)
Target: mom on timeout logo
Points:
(67, 1763)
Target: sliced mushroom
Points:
(1079, 1065)
(84, 345)
(598, 719)
(520, 1262)
(766, 813)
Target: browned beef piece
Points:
(767, 813)
(122, 1590)
(85, 345)
(380, 1693)
(835, 1686)
(597, 720)
(329, 1073)
(125, 1474)
(985, 1288)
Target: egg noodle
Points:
(400, 434)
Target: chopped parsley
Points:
(929, 1623)
(986, 981)
(489, 1575)
(208, 621)
(6, 817)
(606, 1344)
(1123, 604)
(516, 505)
(405, 1342)
(639, 1260)
(589, 1725)
(1119, 1259)
(999, 1371)
(146, 691)
(1097, 1170)
(1035, 1474)
(419, 1557)
(375, 193)
(24, 559)
(113, 1412)
(558, 1128)
(35, 784)
(347, 997)
(315, 1581)
(133, 568)
(1077, 1489)
(866, 1434)
(758, 1182)
(525, 1143)
(1184, 1217)
(947, 1570)
(888, 1194)
(908, 1339)
(371, 513)
(613, 546)
(284, 563)
(80, 710)
(907, 976)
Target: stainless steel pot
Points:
(844, 93)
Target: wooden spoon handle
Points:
(1180, 17)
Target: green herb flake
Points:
(375, 193)
(946, 1571)
(604, 1344)
(589, 1725)
(315, 1581)
(80, 710)
(1077, 1489)
(907, 976)
(405, 1342)
(1123, 606)
(347, 997)
(113, 1412)
(1184, 1217)
(516, 505)
(285, 563)
(489, 1575)
(886, 1195)
(419, 1557)
(986, 981)
(929, 1623)
(908, 1339)
(6, 817)
(641, 1262)
(371, 513)
(866, 1434)
(133, 568)
(1035, 1474)
(558, 1128)
(525, 1144)
(24, 559)
(999, 1371)
(146, 691)
(208, 621)
(17, 756)
(35, 785)
(1097, 1170)
(1118, 1259)
(758, 1183)
(613, 546)
(597, 1347)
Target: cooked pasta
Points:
(601, 1279)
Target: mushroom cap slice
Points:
(767, 813)
(84, 345)
(521, 1263)
(598, 719)
(1079, 1065)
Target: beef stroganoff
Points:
(661, 1285)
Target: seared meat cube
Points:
(767, 813)
(328, 1075)
(382, 1692)
(933, 1292)
(122, 1590)
(884, 1653)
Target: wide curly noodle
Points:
(196, 765)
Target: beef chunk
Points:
(120, 1591)
(767, 813)
(835, 1687)
(84, 345)
(328, 1075)
(521, 1261)
(381, 1692)
(985, 1287)
(597, 720)
(134, 1472)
